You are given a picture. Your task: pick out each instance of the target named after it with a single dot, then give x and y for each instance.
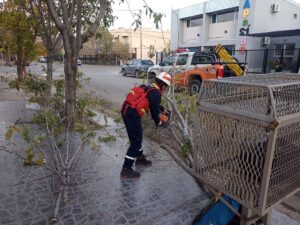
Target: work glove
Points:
(167, 112)
(164, 119)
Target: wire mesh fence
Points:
(247, 142)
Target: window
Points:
(168, 61)
(213, 18)
(236, 15)
(147, 62)
(278, 49)
(188, 22)
(139, 63)
(125, 39)
(194, 22)
(288, 50)
(202, 59)
(230, 49)
(285, 53)
(224, 17)
(181, 60)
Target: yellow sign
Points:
(246, 13)
(226, 57)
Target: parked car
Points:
(136, 67)
(78, 62)
(42, 59)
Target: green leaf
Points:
(41, 160)
(25, 134)
(28, 156)
(79, 127)
(118, 119)
(90, 113)
(108, 138)
(9, 133)
(37, 139)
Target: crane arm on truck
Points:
(232, 65)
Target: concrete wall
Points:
(206, 35)
(149, 37)
(266, 21)
(222, 31)
(175, 29)
(191, 34)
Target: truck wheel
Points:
(194, 86)
(123, 73)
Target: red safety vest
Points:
(137, 99)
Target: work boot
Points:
(129, 173)
(141, 160)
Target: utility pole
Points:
(141, 36)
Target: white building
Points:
(241, 25)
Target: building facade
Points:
(143, 41)
(246, 28)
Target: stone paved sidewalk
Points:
(164, 195)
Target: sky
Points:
(164, 6)
(125, 18)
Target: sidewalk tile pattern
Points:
(164, 195)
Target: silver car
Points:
(136, 67)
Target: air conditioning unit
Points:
(275, 7)
(265, 41)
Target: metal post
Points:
(246, 213)
(298, 62)
(141, 36)
(265, 61)
(268, 160)
(281, 60)
(246, 56)
(266, 219)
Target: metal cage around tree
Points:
(247, 140)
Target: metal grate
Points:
(266, 79)
(285, 175)
(247, 142)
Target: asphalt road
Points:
(106, 81)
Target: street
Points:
(106, 81)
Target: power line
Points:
(126, 10)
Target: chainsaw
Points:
(165, 117)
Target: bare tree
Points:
(51, 142)
(49, 34)
(77, 21)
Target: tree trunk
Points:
(50, 60)
(70, 87)
(8, 56)
(21, 69)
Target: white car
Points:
(42, 59)
(78, 62)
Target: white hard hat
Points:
(165, 77)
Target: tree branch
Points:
(104, 5)
(54, 15)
